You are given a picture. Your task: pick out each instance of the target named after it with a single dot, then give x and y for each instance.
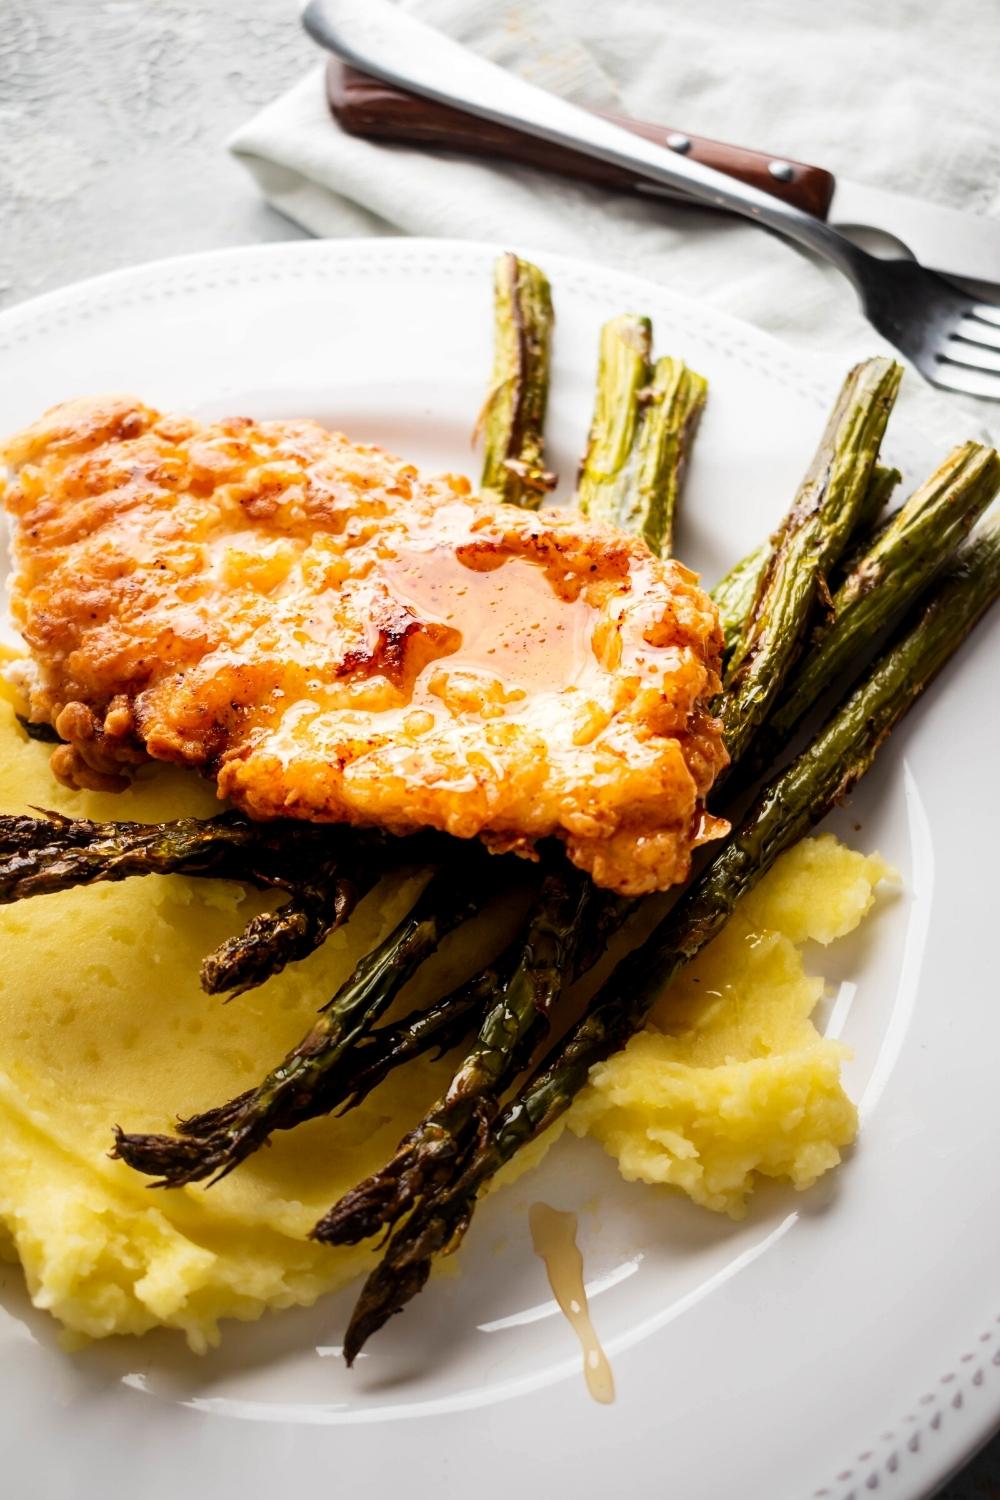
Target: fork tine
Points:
(966, 381)
(960, 352)
(987, 312)
(979, 333)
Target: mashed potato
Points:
(731, 1077)
(102, 1020)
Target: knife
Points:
(943, 239)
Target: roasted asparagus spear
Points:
(672, 406)
(814, 535)
(787, 807)
(437, 1027)
(644, 421)
(441, 1026)
(273, 939)
(325, 872)
(435, 1149)
(288, 1094)
(449, 1021)
(514, 417)
(735, 593)
(53, 853)
(608, 468)
(870, 518)
(882, 583)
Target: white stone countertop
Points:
(113, 119)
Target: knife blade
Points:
(943, 239)
(948, 240)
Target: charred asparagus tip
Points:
(387, 1291)
(436, 1227)
(174, 1160)
(364, 1210)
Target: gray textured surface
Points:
(113, 118)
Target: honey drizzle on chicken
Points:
(334, 637)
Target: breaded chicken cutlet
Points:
(334, 637)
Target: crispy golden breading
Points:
(336, 638)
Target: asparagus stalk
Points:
(440, 1026)
(735, 593)
(880, 491)
(824, 514)
(644, 422)
(42, 855)
(672, 406)
(273, 939)
(447, 1022)
(674, 402)
(432, 1151)
(883, 582)
(792, 802)
(53, 853)
(288, 1094)
(513, 463)
(608, 470)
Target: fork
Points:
(949, 336)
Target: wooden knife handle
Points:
(363, 106)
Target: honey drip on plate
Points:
(553, 1234)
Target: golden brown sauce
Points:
(553, 1234)
(512, 623)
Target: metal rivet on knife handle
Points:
(782, 170)
(679, 143)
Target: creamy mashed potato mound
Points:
(730, 1077)
(102, 1020)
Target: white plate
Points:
(832, 1344)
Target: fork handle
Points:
(363, 106)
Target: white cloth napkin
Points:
(902, 95)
